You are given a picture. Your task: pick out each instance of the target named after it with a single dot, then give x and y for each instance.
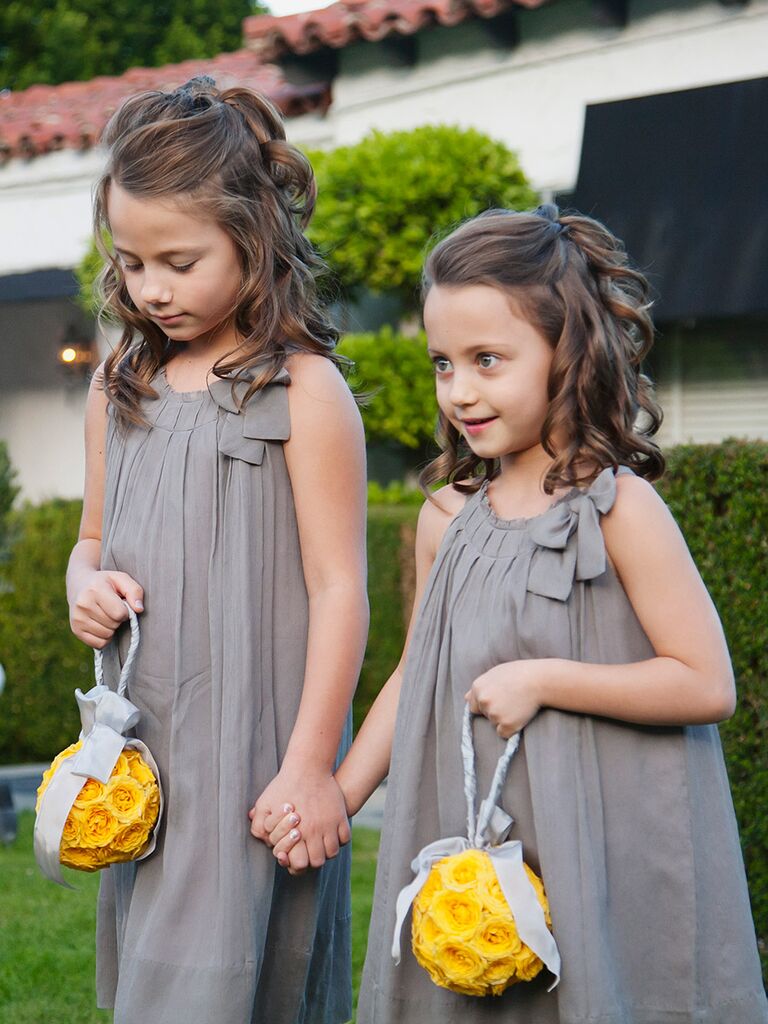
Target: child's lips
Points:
(477, 426)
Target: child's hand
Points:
(98, 608)
(324, 822)
(287, 845)
(507, 695)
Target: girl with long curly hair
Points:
(225, 502)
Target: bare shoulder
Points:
(436, 515)
(315, 378)
(639, 517)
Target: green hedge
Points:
(718, 493)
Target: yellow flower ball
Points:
(463, 932)
(112, 823)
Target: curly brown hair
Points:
(571, 278)
(225, 150)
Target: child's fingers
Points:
(287, 843)
(129, 589)
(316, 850)
(298, 859)
(345, 833)
(273, 818)
(283, 827)
(331, 845)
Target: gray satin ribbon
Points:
(105, 717)
(486, 831)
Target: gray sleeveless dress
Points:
(632, 828)
(209, 930)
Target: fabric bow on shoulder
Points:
(244, 429)
(569, 540)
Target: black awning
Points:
(38, 284)
(682, 178)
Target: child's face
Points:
(181, 269)
(491, 368)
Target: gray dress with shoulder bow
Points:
(208, 930)
(632, 828)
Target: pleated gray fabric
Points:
(209, 930)
(631, 827)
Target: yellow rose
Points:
(432, 885)
(125, 798)
(538, 886)
(493, 897)
(497, 937)
(424, 935)
(121, 766)
(457, 914)
(50, 772)
(152, 808)
(91, 793)
(130, 841)
(528, 964)
(139, 768)
(458, 962)
(464, 870)
(501, 974)
(82, 859)
(98, 827)
(70, 834)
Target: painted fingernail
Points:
(139, 606)
(294, 819)
(294, 833)
(287, 808)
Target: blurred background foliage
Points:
(44, 42)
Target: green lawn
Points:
(47, 934)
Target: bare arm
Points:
(689, 681)
(367, 762)
(326, 463)
(95, 597)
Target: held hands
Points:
(98, 608)
(323, 819)
(508, 695)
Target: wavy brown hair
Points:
(571, 278)
(226, 152)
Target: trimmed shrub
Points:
(396, 372)
(382, 200)
(43, 660)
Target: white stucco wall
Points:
(533, 97)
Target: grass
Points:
(47, 959)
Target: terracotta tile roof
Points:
(349, 20)
(71, 116)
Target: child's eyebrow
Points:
(162, 255)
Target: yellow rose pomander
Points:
(108, 824)
(463, 932)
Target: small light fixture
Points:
(75, 354)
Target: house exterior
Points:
(531, 73)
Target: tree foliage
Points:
(53, 41)
(382, 200)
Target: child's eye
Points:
(487, 361)
(129, 266)
(185, 268)
(441, 364)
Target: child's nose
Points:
(462, 389)
(155, 290)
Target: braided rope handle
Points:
(133, 649)
(477, 826)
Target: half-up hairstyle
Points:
(226, 152)
(571, 278)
